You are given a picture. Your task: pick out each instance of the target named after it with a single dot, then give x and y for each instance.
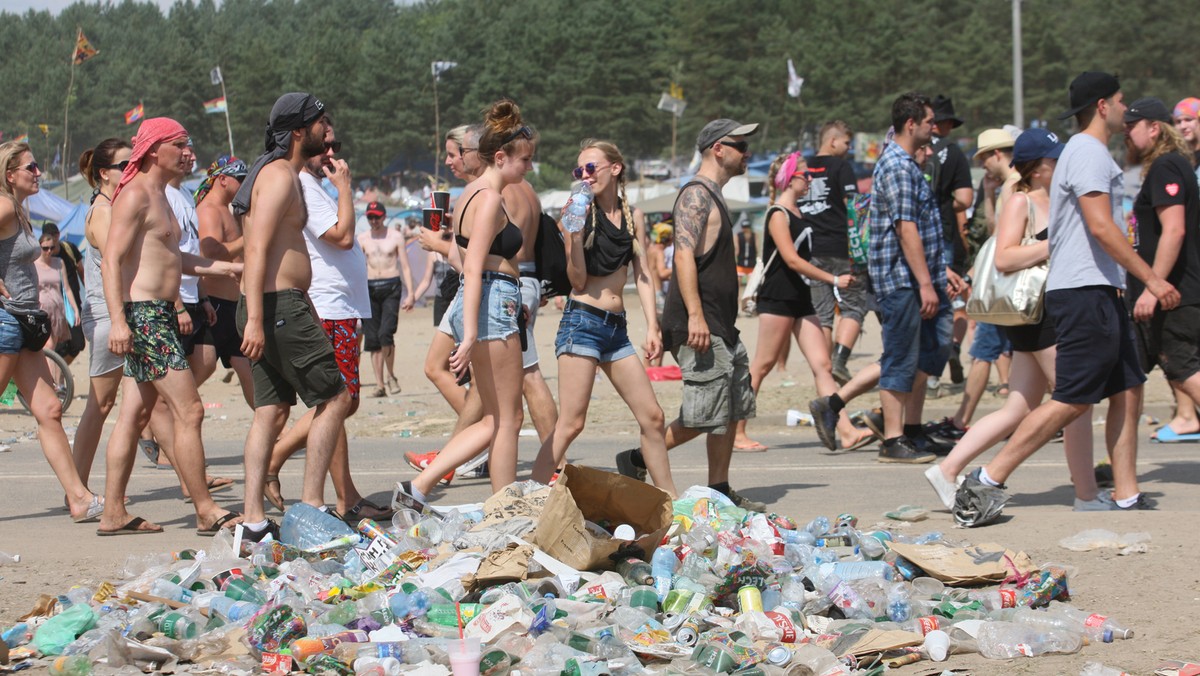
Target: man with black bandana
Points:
(288, 348)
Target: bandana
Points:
(291, 111)
(787, 171)
(225, 165)
(1189, 106)
(151, 131)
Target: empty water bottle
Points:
(663, 565)
(575, 215)
(1006, 640)
(234, 611)
(306, 526)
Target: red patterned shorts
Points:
(343, 333)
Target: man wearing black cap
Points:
(701, 308)
(287, 347)
(1096, 353)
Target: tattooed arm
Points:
(691, 224)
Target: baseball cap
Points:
(1148, 108)
(376, 209)
(943, 109)
(1035, 144)
(717, 129)
(1088, 88)
(1189, 106)
(993, 139)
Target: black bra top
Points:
(507, 242)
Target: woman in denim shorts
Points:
(593, 329)
(485, 314)
(21, 357)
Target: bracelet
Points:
(181, 310)
(203, 299)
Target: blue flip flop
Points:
(1167, 435)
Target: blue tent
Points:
(70, 216)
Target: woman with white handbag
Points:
(784, 302)
(1021, 244)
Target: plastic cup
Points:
(432, 218)
(464, 656)
(441, 200)
(928, 587)
(404, 519)
(937, 645)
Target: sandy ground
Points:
(1157, 593)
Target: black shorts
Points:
(794, 308)
(379, 330)
(1097, 354)
(199, 334)
(1171, 341)
(1033, 337)
(224, 334)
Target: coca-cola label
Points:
(1008, 598)
(927, 624)
(1025, 649)
(274, 663)
(787, 628)
(1095, 620)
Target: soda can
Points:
(677, 601)
(494, 662)
(699, 603)
(778, 654)
(717, 657)
(672, 620)
(749, 598)
(846, 519)
(688, 632)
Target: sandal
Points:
(216, 484)
(218, 524)
(151, 451)
(355, 513)
(1002, 390)
(275, 497)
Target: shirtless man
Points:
(221, 239)
(387, 266)
(289, 351)
(141, 269)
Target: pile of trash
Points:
(598, 574)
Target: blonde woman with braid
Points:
(593, 334)
(785, 307)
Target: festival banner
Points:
(215, 106)
(83, 49)
(134, 115)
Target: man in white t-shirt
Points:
(1097, 357)
(340, 296)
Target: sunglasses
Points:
(48, 248)
(740, 146)
(588, 169)
(521, 131)
(374, 217)
(335, 146)
(119, 166)
(32, 167)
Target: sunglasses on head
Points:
(119, 166)
(335, 146)
(521, 131)
(740, 146)
(588, 169)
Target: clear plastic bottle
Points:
(662, 566)
(306, 526)
(860, 570)
(75, 665)
(234, 611)
(899, 603)
(994, 599)
(5, 557)
(170, 590)
(377, 666)
(1096, 626)
(575, 214)
(1006, 640)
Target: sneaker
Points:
(902, 450)
(378, 393)
(944, 488)
(841, 374)
(251, 535)
(926, 444)
(978, 504)
(745, 503)
(474, 468)
(625, 466)
(873, 420)
(1103, 502)
(825, 420)
(944, 429)
(419, 461)
(1142, 503)
(402, 498)
(1104, 475)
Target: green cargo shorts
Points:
(716, 386)
(298, 357)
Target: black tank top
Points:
(506, 243)
(612, 247)
(718, 283)
(781, 282)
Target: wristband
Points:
(181, 310)
(837, 295)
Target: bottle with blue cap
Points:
(575, 215)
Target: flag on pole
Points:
(795, 82)
(440, 67)
(215, 76)
(23, 138)
(45, 129)
(57, 159)
(217, 105)
(83, 49)
(134, 115)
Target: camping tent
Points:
(46, 206)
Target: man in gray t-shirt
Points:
(1096, 355)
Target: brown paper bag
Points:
(977, 564)
(503, 565)
(584, 493)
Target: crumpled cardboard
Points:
(510, 564)
(586, 494)
(880, 640)
(959, 566)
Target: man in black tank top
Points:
(702, 305)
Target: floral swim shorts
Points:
(156, 344)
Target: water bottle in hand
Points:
(575, 214)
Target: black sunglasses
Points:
(48, 248)
(740, 146)
(335, 146)
(521, 131)
(588, 169)
(119, 166)
(32, 167)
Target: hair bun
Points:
(503, 116)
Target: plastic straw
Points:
(458, 609)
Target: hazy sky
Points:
(21, 6)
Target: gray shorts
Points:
(101, 361)
(854, 297)
(531, 297)
(716, 386)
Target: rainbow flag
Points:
(217, 105)
(23, 138)
(134, 115)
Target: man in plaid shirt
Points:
(908, 264)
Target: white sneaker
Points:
(945, 489)
(1103, 502)
(470, 467)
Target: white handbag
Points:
(1008, 298)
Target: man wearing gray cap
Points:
(702, 306)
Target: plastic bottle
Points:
(635, 571)
(994, 599)
(170, 590)
(59, 631)
(5, 557)
(75, 665)
(842, 596)
(1006, 640)
(861, 570)
(15, 635)
(447, 614)
(818, 526)
(178, 625)
(234, 611)
(899, 603)
(662, 566)
(306, 526)
(575, 215)
(1094, 625)
(377, 666)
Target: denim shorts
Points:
(500, 303)
(583, 332)
(11, 338)
(911, 343)
(990, 342)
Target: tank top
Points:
(780, 282)
(93, 296)
(506, 244)
(718, 283)
(612, 247)
(17, 254)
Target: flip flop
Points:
(354, 514)
(866, 440)
(94, 510)
(753, 447)
(1167, 435)
(216, 484)
(150, 450)
(277, 503)
(218, 524)
(131, 527)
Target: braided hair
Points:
(614, 156)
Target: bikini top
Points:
(507, 242)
